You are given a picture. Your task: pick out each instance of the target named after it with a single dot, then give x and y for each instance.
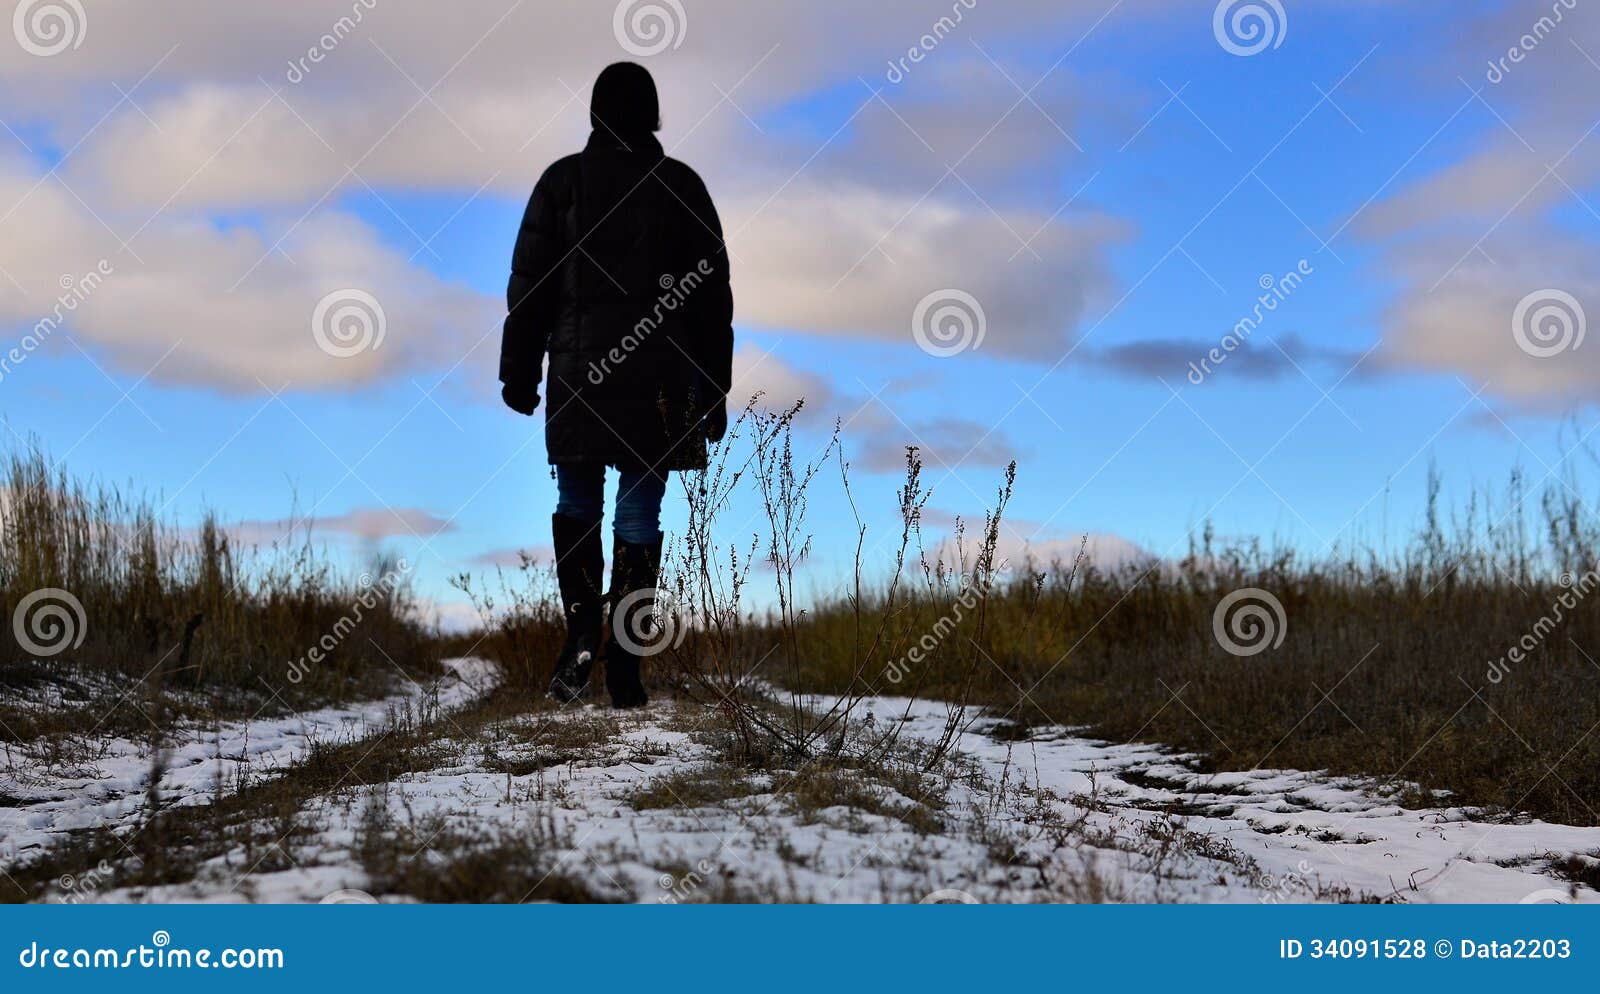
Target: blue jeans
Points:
(581, 495)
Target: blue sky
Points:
(1123, 177)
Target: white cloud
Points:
(852, 262)
(845, 243)
(1465, 322)
(450, 617)
(220, 304)
(1470, 240)
(780, 385)
(876, 433)
(371, 524)
(507, 92)
(1030, 545)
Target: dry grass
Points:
(1392, 666)
(457, 866)
(1389, 667)
(522, 624)
(186, 609)
(698, 788)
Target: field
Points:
(1239, 724)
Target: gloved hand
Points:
(717, 423)
(520, 398)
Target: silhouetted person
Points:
(620, 277)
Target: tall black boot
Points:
(634, 567)
(580, 563)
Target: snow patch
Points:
(44, 801)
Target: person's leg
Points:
(580, 491)
(638, 517)
(580, 565)
(635, 561)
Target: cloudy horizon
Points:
(1257, 262)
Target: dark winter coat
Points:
(620, 276)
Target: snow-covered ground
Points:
(46, 798)
(1307, 828)
(1056, 817)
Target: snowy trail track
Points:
(1144, 826)
(1304, 827)
(44, 801)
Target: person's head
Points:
(624, 100)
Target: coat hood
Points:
(624, 101)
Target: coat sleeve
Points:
(533, 293)
(713, 302)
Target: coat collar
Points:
(642, 144)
